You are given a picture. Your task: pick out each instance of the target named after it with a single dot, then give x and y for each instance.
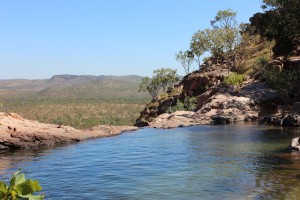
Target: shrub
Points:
(262, 61)
(20, 188)
(284, 81)
(234, 79)
(189, 104)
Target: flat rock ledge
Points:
(17, 132)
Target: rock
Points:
(291, 121)
(197, 83)
(178, 119)
(2, 147)
(220, 120)
(270, 120)
(28, 133)
(141, 124)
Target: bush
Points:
(234, 79)
(189, 104)
(20, 188)
(284, 81)
(262, 61)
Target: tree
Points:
(149, 85)
(224, 19)
(165, 77)
(215, 42)
(281, 22)
(198, 46)
(161, 79)
(186, 59)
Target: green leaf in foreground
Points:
(20, 188)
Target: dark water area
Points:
(201, 162)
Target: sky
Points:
(42, 38)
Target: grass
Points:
(78, 114)
(78, 103)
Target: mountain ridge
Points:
(57, 81)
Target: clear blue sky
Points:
(41, 38)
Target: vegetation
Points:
(226, 40)
(161, 80)
(110, 100)
(234, 79)
(20, 188)
(198, 46)
(188, 104)
(186, 59)
(82, 114)
(282, 80)
(280, 22)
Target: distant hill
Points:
(74, 87)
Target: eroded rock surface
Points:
(17, 132)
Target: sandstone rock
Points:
(178, 119)
(27, 133)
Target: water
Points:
(205, 162)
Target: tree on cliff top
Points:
(281, 22)
(198, 46)
(186, 59)
(224, 19)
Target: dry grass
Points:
(80, 115)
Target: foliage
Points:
(262, 61)
(188, 104)
(151, 85)
(221, 40)
(282, 80)
(281, 22)
(165, 77)
(81, 114)
(198, 46)
(234, 79)
(215, 42)
(186, 59)
(161, 79)
(224, 19)
(20, 188)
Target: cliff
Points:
(220, 103)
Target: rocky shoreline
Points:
(253, 102)
(216, 101)
(17, 132)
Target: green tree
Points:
(150, 85)
(165, 77)
(281, 22)
(162, 79)
(198, 46)
(224, 19)
(215, 42)
(186, 59)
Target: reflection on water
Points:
(205, 162)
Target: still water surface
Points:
(205, 162)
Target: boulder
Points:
(291, 121)
(141, 124)
(218, 119)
